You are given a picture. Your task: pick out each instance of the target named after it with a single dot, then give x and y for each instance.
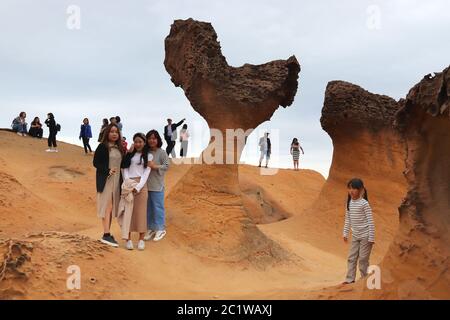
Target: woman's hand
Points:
(152, 165)
(112, 172)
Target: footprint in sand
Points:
(64, 173)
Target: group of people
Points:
(20, 126)
(265, 147)
(131, 185)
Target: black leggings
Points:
(86, 145)
(52, 140)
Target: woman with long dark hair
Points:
(36, 130)
(107, 161)
(135, 167)
(52, 126)
(295, 152)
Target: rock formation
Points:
(383, 142)
(418, 261)
(365, 146)
(227, 98)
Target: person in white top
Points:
(135, 166)
(184, 139)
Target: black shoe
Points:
(110, 241)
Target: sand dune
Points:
(49, 217)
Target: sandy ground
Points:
(48, 210)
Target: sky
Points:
(107, 59)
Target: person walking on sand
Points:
(20, 125)
(295, 152)
(135, 167)
(184, 140)
(36, 130)
(107, 160)
(86, 135)
(265, 146)
(156, 214)
(53, 128)
(170, 136)
(358, 219)
(104, 126)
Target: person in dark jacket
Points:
(86, 135)
(170, 135)
(52, 126)
(36, 130)
(107, 160)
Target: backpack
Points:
(58, 127)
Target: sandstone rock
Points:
(227, 98)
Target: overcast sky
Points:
(113, 64)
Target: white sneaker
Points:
(55, 150)
(130, 245)
(19, 134)
(159, 235)
(141, 245)
(149, 236)
(49, 150)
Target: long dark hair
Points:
(157, 136)
(126, 163)
(356, 183)
(51, 116)
(295, 140)
(105, 137)
(36, 121)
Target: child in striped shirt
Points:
(359, 219)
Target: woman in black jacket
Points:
(52, 126)
(107, 161)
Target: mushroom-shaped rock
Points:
(206, 204)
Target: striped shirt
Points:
(359, 219)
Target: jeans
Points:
(20, 128)
(156, 214)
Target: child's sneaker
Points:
(141, 245)
(159, 235)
